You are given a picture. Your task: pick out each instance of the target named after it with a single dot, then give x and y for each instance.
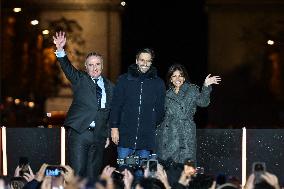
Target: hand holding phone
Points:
(41, 173)
(117, 175)
(54, 170)
(152, 166)
(68, 174)
(23, 167)
(258, 169)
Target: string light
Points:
(31, 104)
(123, 3)
(270, 42)
(17, 9)
(34, 22)
(17, 101)
(45, 32)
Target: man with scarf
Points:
(137, 107)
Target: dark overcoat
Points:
(138, 107)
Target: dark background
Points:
(176, 31)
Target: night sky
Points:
(177, 32)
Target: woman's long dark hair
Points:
(174, 68)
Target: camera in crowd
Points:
(199, 170)
(152, 166)
(258, 168)
(117, 175)
(54, 170)
(24, 166)
(136, 162)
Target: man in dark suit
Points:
(87, 118)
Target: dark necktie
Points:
(98, 93)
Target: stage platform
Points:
(219, 151)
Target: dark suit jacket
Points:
(84, 109)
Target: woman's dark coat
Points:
(176, 136)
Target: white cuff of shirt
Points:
(60, 54)
(93, 124)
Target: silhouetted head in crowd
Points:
(201, 181)
(263, 185)
(226, 187)
(189, 162)
(235, 181)
(118, 184)
(149, 183)
(221, 179)
(189, 167)
(17, 183)
(115, 184)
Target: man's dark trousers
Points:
(85, 153)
